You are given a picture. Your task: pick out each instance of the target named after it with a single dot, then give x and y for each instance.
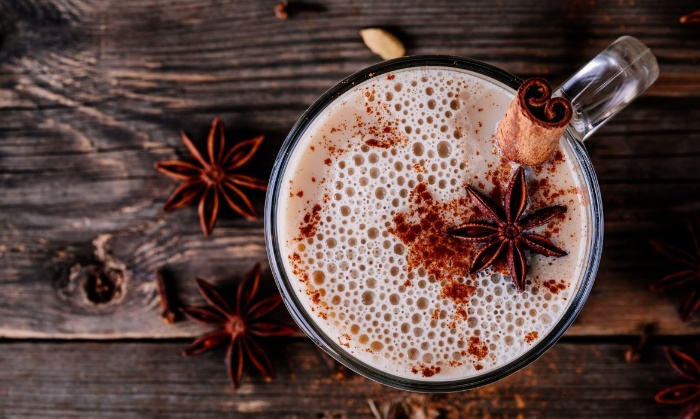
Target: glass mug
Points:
(597, 92)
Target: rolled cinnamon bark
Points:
(530, 130)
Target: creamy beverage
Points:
(367, 197)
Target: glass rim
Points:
(308, 324)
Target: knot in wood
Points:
(102, 283)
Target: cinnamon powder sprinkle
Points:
(315, 296)
(457, 292)
(554, 287)
(298, 268)
(384, 132)
(382, 137)
(477, 348)
(531, 337)
(311, 219)
(375, 143)
(422, 230)
(426, 370)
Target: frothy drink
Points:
(368, 195)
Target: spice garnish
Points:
(206, 180)
(687, 276)
(529, 132)
(508, 238)
(688, 368)
(168, 303)
(691, 17)
(238, 325)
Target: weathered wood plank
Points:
(70, 380)
(620, 303)
(93, 93)
(120, 380)
(38, 241)
(242, 41)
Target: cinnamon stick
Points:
(530, 130)
(168, 305)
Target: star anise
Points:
(686, 394)
(691, 17)
(505, 234)
(205, 180)
(687, 276)
(237, 326)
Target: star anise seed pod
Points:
(505, 233)
(690, 303)
(691, 411)
(237, 326)
(691, 17)
(687, 276)
(687, 393)
(206, 180)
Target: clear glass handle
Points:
(613, 79)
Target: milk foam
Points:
(357, 166)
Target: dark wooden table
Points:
(93, 92)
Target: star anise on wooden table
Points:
(208, 180)
(689, 274)
(691, 17)
(682, 394)
(237, 326)
(505, 232)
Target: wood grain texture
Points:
(92, 93)
(125, 380)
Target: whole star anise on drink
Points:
(689, 274)
(505, 233)
(688, 393)
(206, 180)
(237, 326)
